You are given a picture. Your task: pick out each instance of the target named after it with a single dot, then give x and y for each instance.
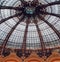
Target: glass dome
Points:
(36, 30)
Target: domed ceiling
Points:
(30, 24)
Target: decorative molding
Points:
(1, 58)
(34, 58)
(55, 57)
(12, 58)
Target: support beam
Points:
(9, 34)
(3, 20)
(50, 4)
(41, 37)
(49, 24)
(9, 7)
(25, 36)
(47, 13)
(23, 1)
(35, 1)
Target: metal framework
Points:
(53, 28)
(9, 34)
(38, 10)
(41, 37)
(25, 36)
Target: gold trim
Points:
(33, 57)
(12, 57)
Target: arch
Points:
(33, 58)
(55, 57)
(12, 58)
(1, 58)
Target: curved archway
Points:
(55, 57)
(34, 58)
(12, 58)
(1, 58)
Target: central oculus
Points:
(30, 10)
